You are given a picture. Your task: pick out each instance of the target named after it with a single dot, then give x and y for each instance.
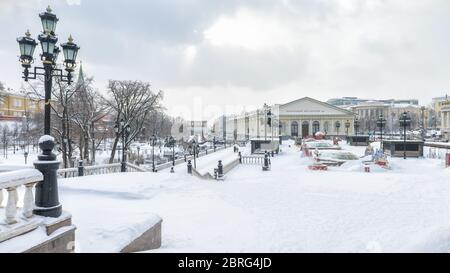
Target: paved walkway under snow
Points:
(288, 209)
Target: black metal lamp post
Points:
(356, 124)
(405, 121)
(423, 127)
(138, 149)
(47, 201)
(194, 146)
(123, 129)
(338, 125)
(153, 153)
(381, 122)
(172, 144)
(347, 126)
(214, 143)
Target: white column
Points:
(447, 115)
(28, 201)
(444, 120)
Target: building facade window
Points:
(305, 128)
(316, 127)
(294, 129)
(17, 103)
(326, 126)
(32, 105)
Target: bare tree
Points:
(131, 101)
(89, 109)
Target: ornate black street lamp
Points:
(381, 122)
(49, 56)
(356, 124)
(405, 121)
(194, 146)
(347, 126)
(123, 130)
(153, 139)
(171, 142)
(337, 125)
(47, 200)
(138, 149)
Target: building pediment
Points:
(311, 107)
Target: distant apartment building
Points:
(350, 101)
(184, 129)
(368, 113)
(14, 106)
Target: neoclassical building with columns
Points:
(445, 118)
(299, 118)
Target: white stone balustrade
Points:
(11, 181)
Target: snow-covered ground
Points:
(287, 209)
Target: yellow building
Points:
(15, 106)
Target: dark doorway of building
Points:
(305, 129)
(294, 129)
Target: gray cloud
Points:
(278, 49)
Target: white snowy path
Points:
(207, 163)
(288, 209)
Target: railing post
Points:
(47, 200)
(219, 169)
(266, 162)
(240, 158)
(11, 208)
(189, 167)
(28, 200)
(80, 168)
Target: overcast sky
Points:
(211, 56)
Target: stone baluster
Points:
(1, 197)
(11, 207)
(28, 201)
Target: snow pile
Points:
(45, 138)
(286, 209)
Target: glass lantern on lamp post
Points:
(337, 125)
(381, 122)
(356, 124)
(404, 121)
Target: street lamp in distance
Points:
(381, 122)
(356, 124)
(337, 125)
(405, 121)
